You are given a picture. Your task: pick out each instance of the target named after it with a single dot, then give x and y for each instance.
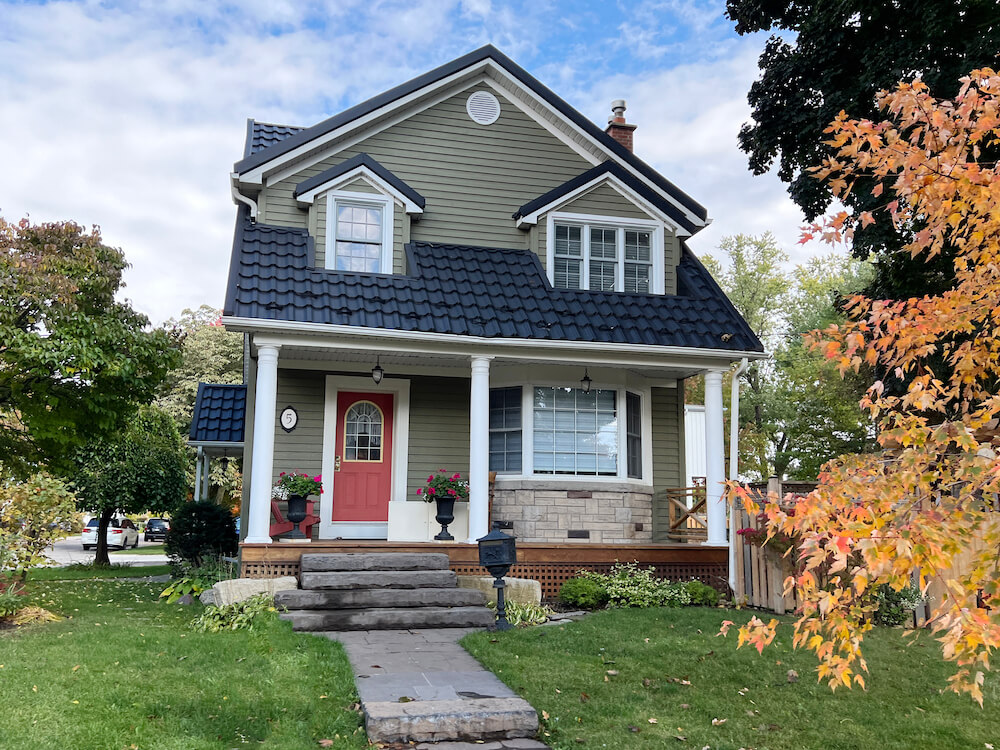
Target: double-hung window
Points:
(505, 430)
(359, 234)
(603, 258)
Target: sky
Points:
(129, 115)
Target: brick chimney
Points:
(617, 128)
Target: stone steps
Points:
(389, 618)
(479, 719)
(381, 591)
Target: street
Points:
(70, 550)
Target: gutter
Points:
(238, 197)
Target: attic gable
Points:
(497, 71)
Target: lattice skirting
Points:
(550, 565)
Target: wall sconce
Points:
(586, 382)
(377, 371)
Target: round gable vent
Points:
(483, 108)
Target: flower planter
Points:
(445, 515)
(296, 514)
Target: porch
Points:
(549, 564)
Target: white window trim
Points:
(362, 172)
(528, 434)
(655, 228)
(384, 202)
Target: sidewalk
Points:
(421, 686)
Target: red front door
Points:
(363, 483)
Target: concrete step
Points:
(361, 598)
(379, 579)
(479, 719)
(313, 563)
(389, 618)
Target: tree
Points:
(931, 494)
(33, 515)
(211, 354)
(142, 468)
(841, 55)
(795, 412)
(74, 362)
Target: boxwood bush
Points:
(583, 593)
(200, 532)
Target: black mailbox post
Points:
(497, 553)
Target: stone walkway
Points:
(421, 686)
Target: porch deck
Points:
(549, 564)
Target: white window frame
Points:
(383, 202)
(586, 221)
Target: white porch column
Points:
(715, 458)
(197, 475)
(479, 449)
(265, 402)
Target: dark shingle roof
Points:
(255, 158)
(261, 135)
(360, 160)
(609, 168)
(472, 291)
(219, 413)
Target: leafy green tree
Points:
(74, 362)
(795, 410)
(824, 57)
(33, 514)
(209, 354)
(142, 468)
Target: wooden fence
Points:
(760, 571)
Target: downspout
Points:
(239, 197)
(734, 460)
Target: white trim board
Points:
(400, 388)
(308, 197)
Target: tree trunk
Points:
(101, 557)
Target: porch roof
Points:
(473, 291)
(219, 416)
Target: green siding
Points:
(474, 177)
(604, 200)
(360, 186)
(671, 253)
(668, 452)
(302, 448)
(439, 429)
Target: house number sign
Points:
(289, 418)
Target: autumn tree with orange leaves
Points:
(931, 495)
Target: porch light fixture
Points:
(377, 371)
(586, 382)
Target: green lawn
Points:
(115, 570)
(648, 656)
(155, 549)
(123, 671)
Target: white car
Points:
(122, 533)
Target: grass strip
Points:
(89, 570)
(662, 678)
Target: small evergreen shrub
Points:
(199, 532)
(236, 616)
(895, 607)
(583, 593)
(701, 595)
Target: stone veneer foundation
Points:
(543, 512)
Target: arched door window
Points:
(363, 432)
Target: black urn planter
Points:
(296, 514)
(445, 515)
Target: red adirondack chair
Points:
(281, 526)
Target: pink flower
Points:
(430, 490)
(457, 476)
(430, 478)
(316, 479)
(420, 491)
(281, 474)
(451, 492)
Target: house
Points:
(464, 273)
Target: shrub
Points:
(894, 607)
(200, 531)
(584, 593)
(236, 616)
(10, 601)
(33, 514)
(523, 615)
(629, 586)
(701, 595)
(188, 585)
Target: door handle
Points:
(336, 463)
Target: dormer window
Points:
(359, 232)
(604, 256)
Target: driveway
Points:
(70, 550)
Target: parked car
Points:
(122, 533)
(156, 529)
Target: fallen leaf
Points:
(76, 667)
(545, 715)
(793, 676)
(326, 743)
(646, 682)
(558, 690)
(584, 697)
(685, 706)
(633, 729)
(646, 640)
(718, 722)
(680, 737)
(651, 721)
(685, 682)
(613, 672)
(405, 699)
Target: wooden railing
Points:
(688, 521)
